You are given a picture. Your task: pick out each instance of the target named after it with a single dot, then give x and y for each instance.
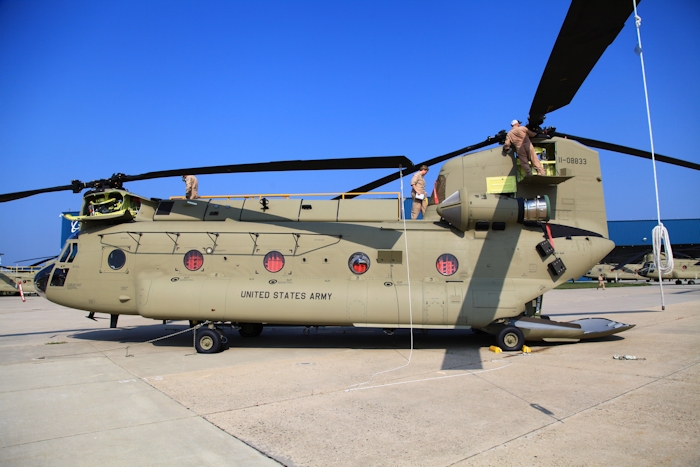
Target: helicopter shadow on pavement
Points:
(462, 348)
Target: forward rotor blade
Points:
(631, 151)
(117, 180)
(629, 260)
(43, 261)
(25, 194)
(500, 137)
(381, 162)
(589, 28)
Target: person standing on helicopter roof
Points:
(191, 186)
(420, 197)
(519, 136)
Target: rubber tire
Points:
(510, 339)
(250, 329)
(208, 341)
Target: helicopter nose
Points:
(41, 280)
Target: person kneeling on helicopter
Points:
(519, 136)
(191, 186)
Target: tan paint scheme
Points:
(627, 272)
(499, 270)
(683, 269)
(11, 276)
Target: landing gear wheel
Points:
(691, 282)
(208, 341)
(250, 329)
(510, 339)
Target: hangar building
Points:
(634, 237)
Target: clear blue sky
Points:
(90, 88)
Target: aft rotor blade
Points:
(589, 28)
(631, 151)
(381, 162)
(500, 137)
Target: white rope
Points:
(659, 231)
(410, 304)
(126, 347)
(659, 235)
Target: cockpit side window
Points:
(69, 253)
(66, 253)
(74, 252)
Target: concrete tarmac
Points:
(73, 394)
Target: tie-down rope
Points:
(659, 233)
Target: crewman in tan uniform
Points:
(420, 197)
(191, 186)
(519, 136)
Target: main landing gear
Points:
(510, 339)
(250, 329)
(210, 340)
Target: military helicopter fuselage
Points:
(613, 273)
(491, 244)
(684, 269)
(12, 276)
(480, 258)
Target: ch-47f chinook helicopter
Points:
(684, 269)
(490, 245)
(615, 273)
(19, 280)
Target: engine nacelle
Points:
(463, 211)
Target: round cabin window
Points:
(359, 263)
(193, 260)
(447, 264)
(274, 261)
(116, 259)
